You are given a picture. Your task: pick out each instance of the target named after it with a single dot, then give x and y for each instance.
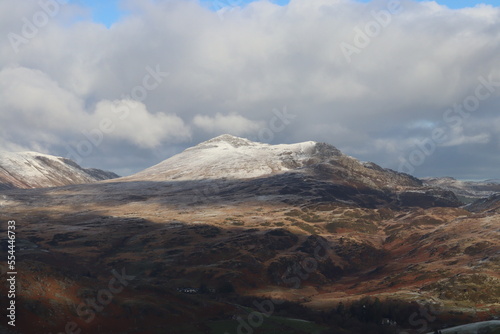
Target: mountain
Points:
(235, 236)
(468, 191)
(491, 203)
(308, 168)
(36, 170)
(230, 157)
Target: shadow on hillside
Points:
(289, 188)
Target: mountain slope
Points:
(230, 157)
(36, 170)
(491, 203)
(307, 169)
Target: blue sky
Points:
(109, 11)
(106, 12)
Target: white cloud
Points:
(130, 120)
(34, 107)
(41, 110)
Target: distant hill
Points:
(467, 191)
(35, 170)
(491, 203)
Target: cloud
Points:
(227, 73)
(130, 120)
(232, 123)
(457, 137)
(41, 109)
(35, 108)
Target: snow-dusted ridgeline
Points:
(230, 157)
(36, 170)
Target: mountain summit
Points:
(230, 157)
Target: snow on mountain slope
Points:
(229, 157)
(36, 170)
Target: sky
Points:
(110, 11)
(122, 85)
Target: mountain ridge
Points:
(307, 168)
(231, 164)
(227, 156)
(37, 170)
(468, 190)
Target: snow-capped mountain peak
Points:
(230, 157)
(226, 139)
